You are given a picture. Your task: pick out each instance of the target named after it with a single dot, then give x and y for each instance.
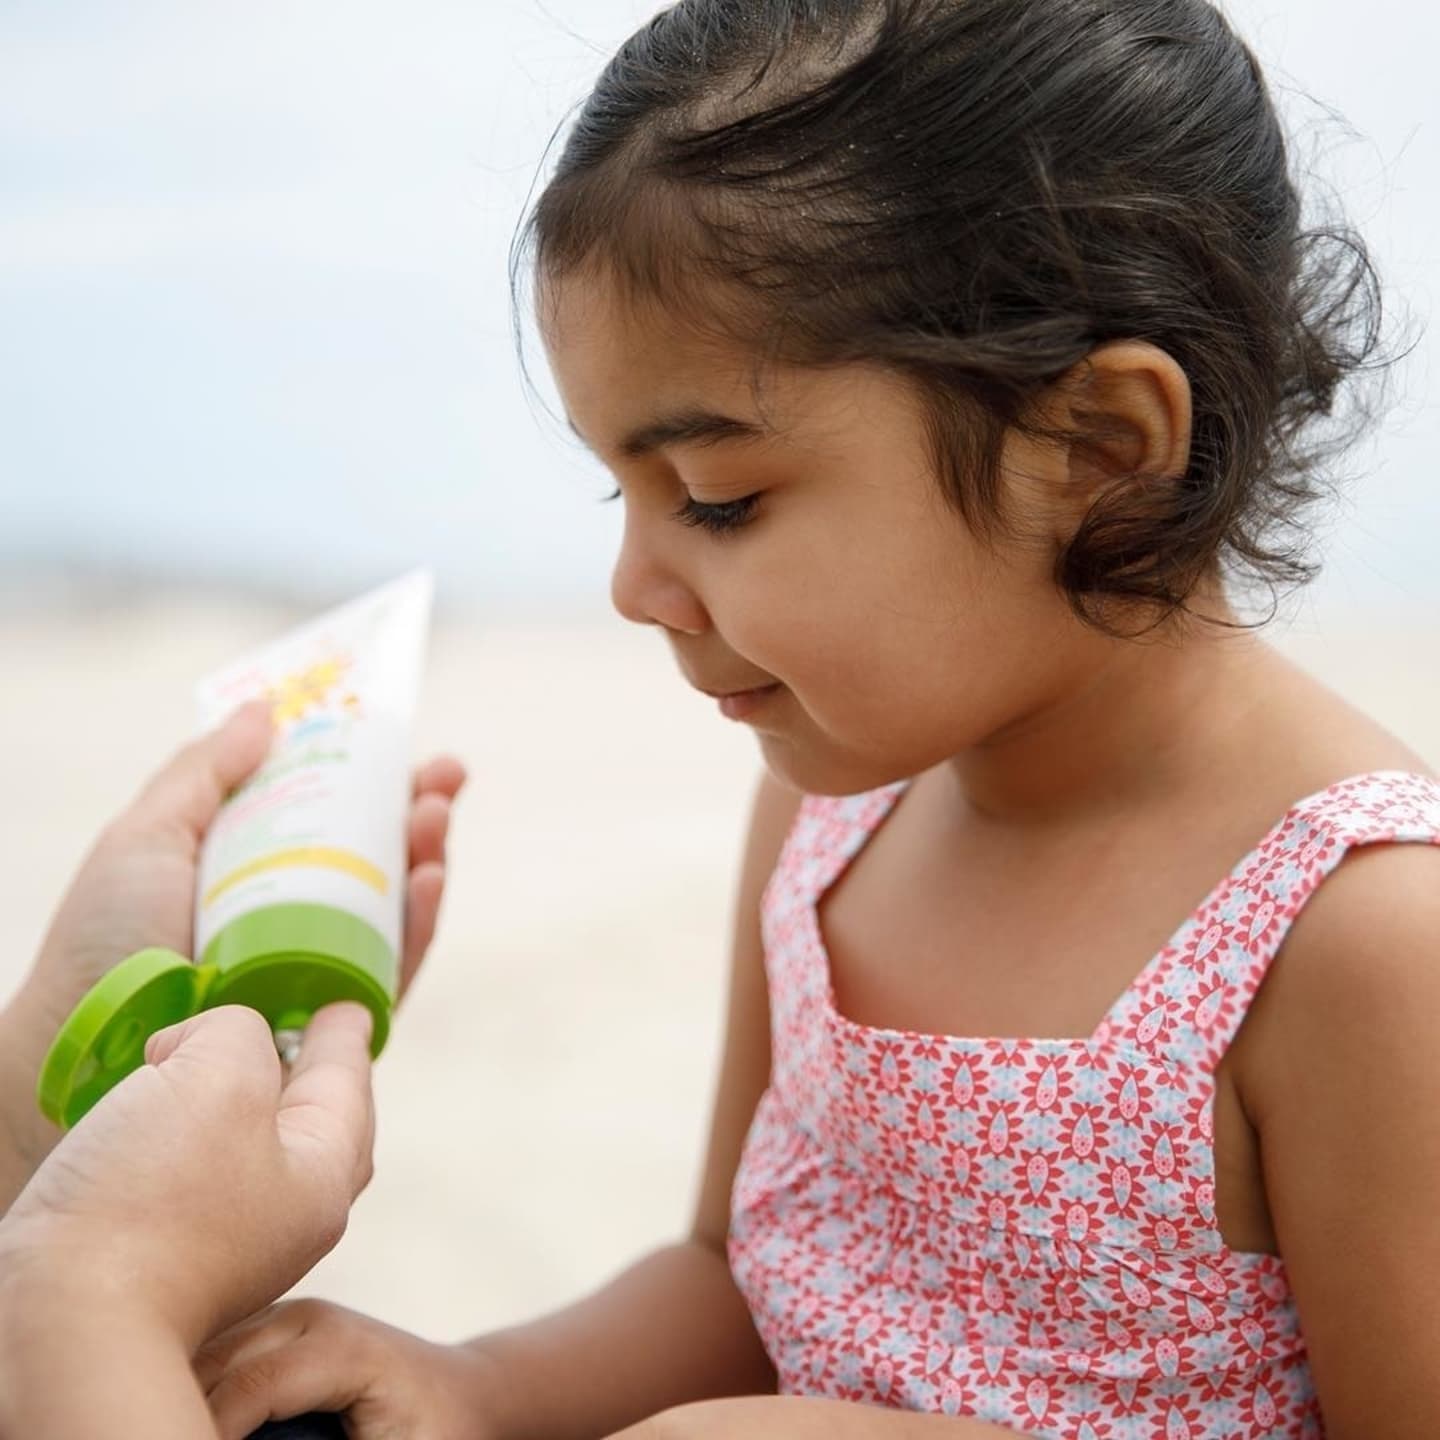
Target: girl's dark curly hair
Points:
(974, 194)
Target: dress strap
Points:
(827, 833)
(1188, 1004)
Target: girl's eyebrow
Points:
(691, 426)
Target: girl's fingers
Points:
(444, 775)
(426, 886)
(282, 1382)
(269, 1329)
(429, 825)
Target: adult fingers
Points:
(429, 826)
(231, 1045)
(188, 789)
(328, 1100)
(424, 891)
(444, 775)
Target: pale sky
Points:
(254, 312)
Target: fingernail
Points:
(366, 1021)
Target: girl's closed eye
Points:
(719, 518)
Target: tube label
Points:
(324, 819)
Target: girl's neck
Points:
(1151, 718)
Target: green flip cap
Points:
(286, 961)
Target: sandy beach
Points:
(543, 1100)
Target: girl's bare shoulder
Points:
(1369, 934)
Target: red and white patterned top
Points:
(1024, 1230)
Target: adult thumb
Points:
(190, 788)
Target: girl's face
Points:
(799, 550)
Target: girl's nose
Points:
(649, 591)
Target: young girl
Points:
(955, 361)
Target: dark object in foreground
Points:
(302, 1427)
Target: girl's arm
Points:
(672, 1328)
(1342, 1082)
(789, 1417)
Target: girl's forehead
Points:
(590, 310)
(603, 348)
(623, 368)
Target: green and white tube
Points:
(302, 875)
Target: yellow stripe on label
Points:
(326, 857)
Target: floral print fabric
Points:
(1024, 1230)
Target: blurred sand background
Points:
(544, 1098)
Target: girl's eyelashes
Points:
(718, 519)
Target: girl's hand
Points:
(308, 1355)
(137, 889)
(206, 1183)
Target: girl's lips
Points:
(741, 704)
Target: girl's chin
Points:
(806, 763)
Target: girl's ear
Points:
(1132, 401)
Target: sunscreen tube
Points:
(302, 875)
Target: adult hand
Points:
(136, 889)
(199, 1189)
